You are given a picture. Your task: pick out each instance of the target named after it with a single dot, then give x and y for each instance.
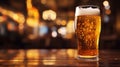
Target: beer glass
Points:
(87, 30)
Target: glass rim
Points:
(87, 6)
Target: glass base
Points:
(88, 58)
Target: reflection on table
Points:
(55, 57)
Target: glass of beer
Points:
(87, 30)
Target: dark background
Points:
(110, 32)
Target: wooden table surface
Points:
(55, 58)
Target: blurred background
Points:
(47, 24)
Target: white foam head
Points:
(81, 10)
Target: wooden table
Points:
(55, 58)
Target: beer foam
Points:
(87, 11)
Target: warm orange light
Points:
(105, 3)
(2, 18)
(32, 22)
(108, 12)
(43, 1)
(70, 26)
(49, 62)
(29, 5)
(33, 15)
(49, 15)
(32, 37)
(63, 22)
(11, 27)
(33, 54)
(71, 53)
(19, 58)
(58, 22)
(21, 26)
(18, 17)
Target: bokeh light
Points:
(43, 29)
(49, 15)
(11, 26)
(54, 34)
(106, 3)
(18, 17)
(62, 31)
(70, 26)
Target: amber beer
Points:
(87, 29)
